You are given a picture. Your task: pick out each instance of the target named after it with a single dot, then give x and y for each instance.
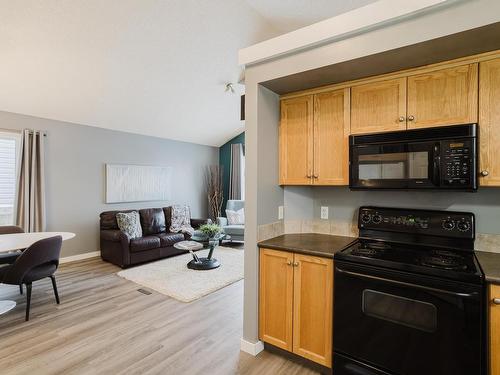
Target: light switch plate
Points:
(324, 212)
(280, 213)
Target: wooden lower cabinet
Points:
(296, 304)
(313, 308)
(494, 293)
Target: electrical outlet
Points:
(280, 213)
(324, 212)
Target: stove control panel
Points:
(436, 223)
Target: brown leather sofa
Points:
(156, 241)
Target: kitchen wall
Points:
(75, 164)
(303, 206)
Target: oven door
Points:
(407, 325)
(395, 166)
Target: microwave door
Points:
(394, 166)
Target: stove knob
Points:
(448, 224)
(365, 218)
(463, 226)
(376, 219)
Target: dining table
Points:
(17, 241)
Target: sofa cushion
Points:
(168, 239)
(152, 220)
(129, 223)
(144, 243)
(237, 230)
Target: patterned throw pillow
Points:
(236, 217)
(129, 223)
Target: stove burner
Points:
(365, 252)
(442, 259)
(378, 245)
(371, 249)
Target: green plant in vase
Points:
(211, 231)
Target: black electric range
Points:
(409, 296)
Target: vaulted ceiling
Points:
(153, 67)
(291, 15)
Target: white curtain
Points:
(237, 176)
(30, 207)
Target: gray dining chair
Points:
(37, 262)
(10, 257)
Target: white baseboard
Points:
(250, 347)
(74, 258)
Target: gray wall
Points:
(75, 157)
(261, 169)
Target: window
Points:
(9, 161)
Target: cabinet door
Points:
(296, 141)
(331, 133)
(494, 331)
(276, 298)
(444, 97)
(379, 106)
(489, 122)
(313, 308)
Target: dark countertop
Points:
(490, 263)
(323, 245)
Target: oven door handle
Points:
(411, 285)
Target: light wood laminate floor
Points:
(105, 326)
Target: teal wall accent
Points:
(225, 162)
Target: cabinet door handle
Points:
(485, 173)
(289, 263)
(411, 118)
(308, 175)
(315, 176)
(401, 119)
(496, 301)
(295, 264)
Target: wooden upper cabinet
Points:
(313, 308)
(331, 134)
(443, 97)
(276, 298)
(494, 333)
(379, 106)
(296, 141)
(489, 123)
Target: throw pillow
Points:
(129, 223)
(236, 217)
(181, 220)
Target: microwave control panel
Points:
(457, 162)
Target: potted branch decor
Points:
(214, 191)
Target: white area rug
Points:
(171, 276)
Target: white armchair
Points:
(237, 232)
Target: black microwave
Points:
(432, 158)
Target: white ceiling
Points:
(291, 15)
(153, 67)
